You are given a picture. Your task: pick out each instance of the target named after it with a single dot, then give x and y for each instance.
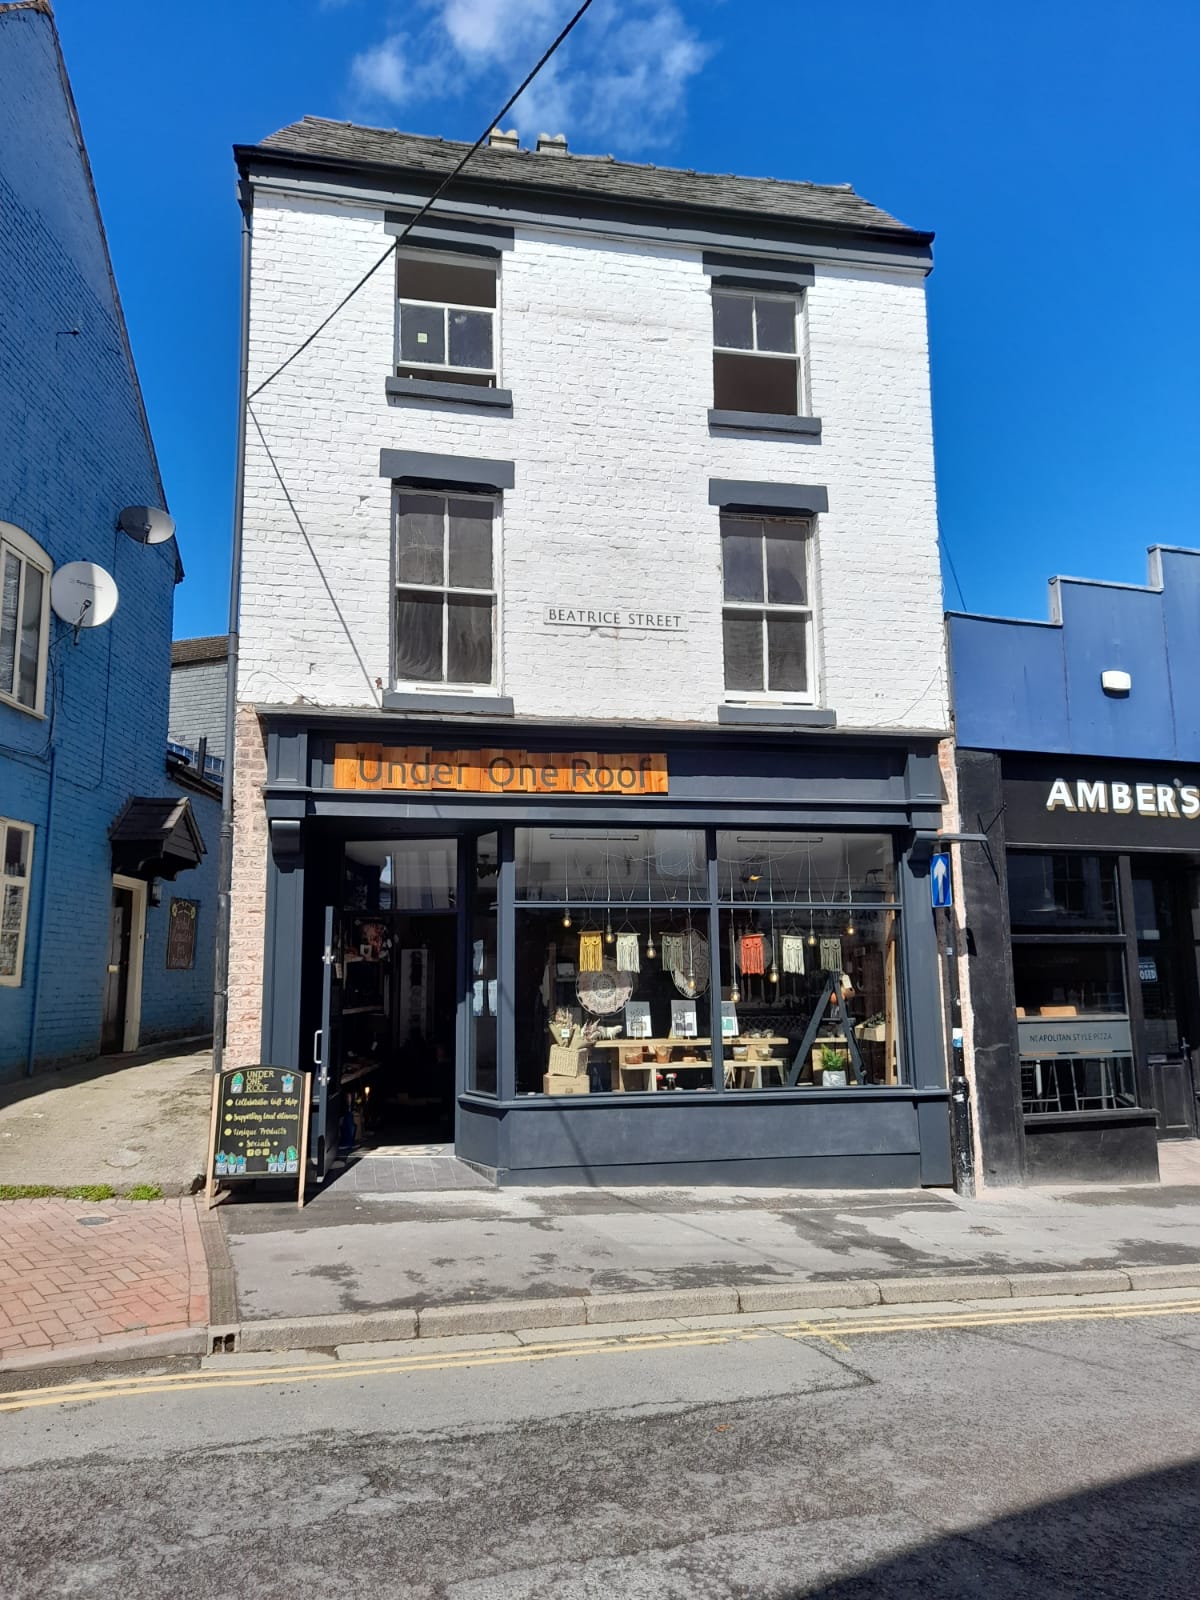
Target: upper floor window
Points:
(767, 615)
(445, 617)
(756, 359)
(24, 618)
(16, 859)
(445, 320)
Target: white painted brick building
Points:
(615, 469)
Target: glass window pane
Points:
(423, 334)
(470, 544)
(16, 852)
(733, 321)
(445, 282)
(1061, 893)
(10, 928)
(568, 979)
(10, 589)
(777, 968)
(755, 383)
(31, 634)
(789, 869)
(776, 324)
(787, 654)
(419, 539)
(1077, 1083)
(741, 559)
(626, 867)
(787, 567)
(419, 636)
(742, 634)
(481, 1076)
(469, 640)
(470, 338)
(1069, 980)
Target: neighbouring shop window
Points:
(445, 618)
(484, 976)
(181, 935)
(24, 618)
(1077, 1083)
(1063, 893)
(16, 862)
(615, 967)
(1064, 980)
(446, 314)
(767, 618)
(756, 360)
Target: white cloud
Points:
(622, 75)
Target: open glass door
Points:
(327, 1051)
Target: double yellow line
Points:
(830, 1330)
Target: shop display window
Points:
(483, 979)
(1077, 1083)
(1062, 893)
(614, 978)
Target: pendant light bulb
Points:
(609, 936)
(812, 939)
(773, 975)
(735, 994)
(651, 952)
(566, 919)
(850, 925)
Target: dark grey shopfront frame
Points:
(863, 1136)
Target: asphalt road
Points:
(1001, 1452)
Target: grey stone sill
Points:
(472, 705)
(765, 422)
(463, 394)
(776, 717)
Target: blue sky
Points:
(1053, 147)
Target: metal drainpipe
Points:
(30, 1054)
(221, 965)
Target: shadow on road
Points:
(1137, 1539)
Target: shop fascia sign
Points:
(1177, 801)
(409, 769)
(1045, 1039)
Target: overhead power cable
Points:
(433, 198)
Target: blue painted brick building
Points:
(83, 722)
(1079, 759)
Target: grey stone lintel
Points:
(757, 272)
(734, 494)
(448, 705)
(776, 717)
(470, 238)
(460, 472)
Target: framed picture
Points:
(637, 1020)
(683, 1019)
(729, 1021)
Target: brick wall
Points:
(248, 903)
(607, 350)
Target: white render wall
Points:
(606, 348)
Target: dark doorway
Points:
(116, 982)
(1163, 891)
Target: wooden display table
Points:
(651, 1069)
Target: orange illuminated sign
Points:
(409, 769)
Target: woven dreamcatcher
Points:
(604, 992)
(690, 969)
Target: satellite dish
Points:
(146, 524)
(83, 594)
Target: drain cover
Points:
(92, 1222)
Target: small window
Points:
(445, 322)
(445, 618)
(756, 359)
(16, 864)
(767, 616)
(24, 618)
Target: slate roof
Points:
(186, 652)
(598, 177)
(156, 837)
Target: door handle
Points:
(115, 968)
(317, 1047)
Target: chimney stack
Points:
(499, 140)
(552, 144)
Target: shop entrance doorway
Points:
(1168, 965)
(385, 1052)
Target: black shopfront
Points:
(701, 958)
(1083, 912)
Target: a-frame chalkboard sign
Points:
(259, 1127)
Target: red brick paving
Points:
(68, 1278)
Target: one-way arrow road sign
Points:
(941, 890)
